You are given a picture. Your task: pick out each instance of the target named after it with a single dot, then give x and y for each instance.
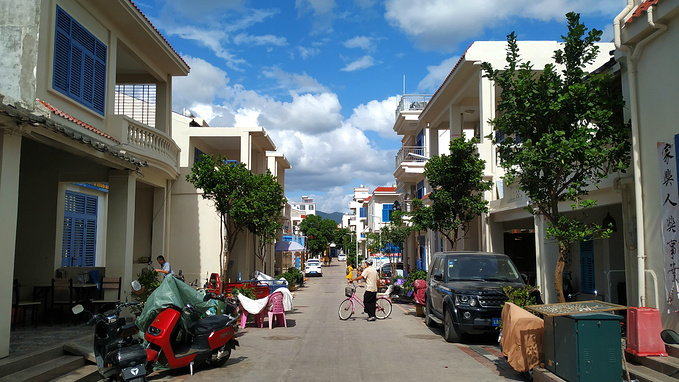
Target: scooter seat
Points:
(209, 324)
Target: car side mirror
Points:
(524, 277)
(438, 275)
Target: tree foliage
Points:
(319, 233)
(457, 190)
(558, 133)
(239, 196)
(267, 200)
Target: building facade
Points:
(195, 231)
(84, 182)
(462, 106)
(646, 34)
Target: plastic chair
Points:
(276, 309)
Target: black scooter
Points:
(118, 350)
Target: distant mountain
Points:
(336, 216)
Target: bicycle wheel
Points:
(346, 309)
(383, 308)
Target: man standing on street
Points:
(370, 296)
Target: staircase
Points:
(72, 362)
(641, 369)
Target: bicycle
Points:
(348, 306)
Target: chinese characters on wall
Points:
(669, 208)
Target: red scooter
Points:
(209, 339)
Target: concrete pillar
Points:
(246, 149)
(120, 226)
(10, 158)
(164, 106)
(159, 225)
(546, 257)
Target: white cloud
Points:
(436, 74)
(307, 53)
(322, 11)
(204, 83)
(307, 113)
(376, 116)
(443, 24)
(246, 39)
(362, 63)
(293, 82)
(361, 42)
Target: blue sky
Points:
(324, 77)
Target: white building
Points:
(83, 186)
(195, 234)
(464, 104)
(646, 35)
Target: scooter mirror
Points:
(136, 285)
(77, 309)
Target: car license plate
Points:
(496, 321)
(134, 372)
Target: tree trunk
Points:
(558, 273)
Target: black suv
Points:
(464, 291)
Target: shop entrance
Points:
(520, 247)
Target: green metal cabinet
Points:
(584, 347)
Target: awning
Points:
(288, 246)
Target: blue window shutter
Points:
(420, 190)
(79, 63)
(587, 266)
(79, 242)
(364, 212)
(419, 140)
(386, 209)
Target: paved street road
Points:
(318, 346)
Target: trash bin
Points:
(584, 347)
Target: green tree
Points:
(420, 218)
(560, 133)
(267, 203)
(396, 232)
(229, 187)
(319, 232)
(457, 190)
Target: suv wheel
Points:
(427, 312)
(451, 332)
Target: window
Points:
(420, 190)
(196, 155)
(587, 266)
(363, 212)
(386, 212)
(79, 63)
(78, 248)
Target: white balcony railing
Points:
(412, 102)
(402, 155)
(153, 145)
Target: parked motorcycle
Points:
(118, 350)
(179, 337)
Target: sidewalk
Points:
(24, 340)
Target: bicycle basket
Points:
(348, 291)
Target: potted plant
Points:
(290, 278)
(246, 291)
(148, 278)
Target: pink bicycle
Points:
(348, 306)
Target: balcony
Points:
(403, 155)
(412, 103)
(153, 145)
